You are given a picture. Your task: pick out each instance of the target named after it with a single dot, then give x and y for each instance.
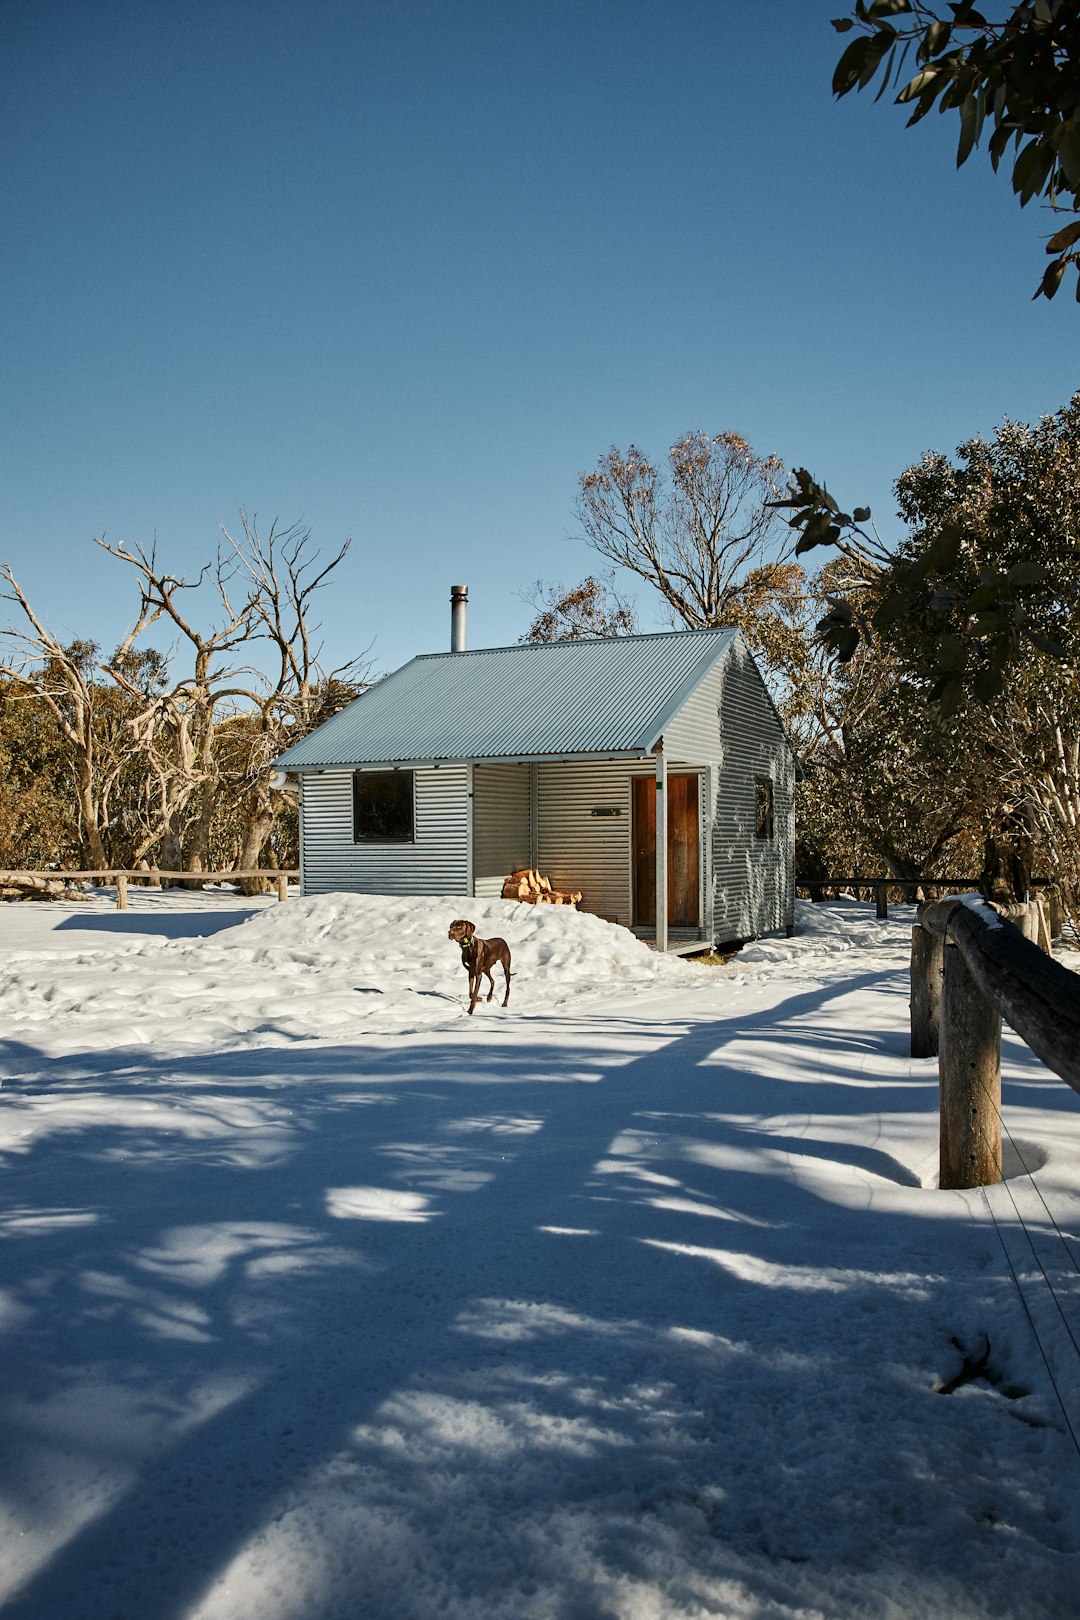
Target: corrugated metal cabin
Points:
(586, 759)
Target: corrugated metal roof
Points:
(536, 700)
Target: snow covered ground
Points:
(321, 1300)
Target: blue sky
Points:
(402, 270)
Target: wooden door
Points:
(684, 844)
(683, 855)
(643, 827)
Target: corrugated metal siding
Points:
(501, 843)
(571, 697)
(693, 736)
(752, 879)
(437, 863)
(578, 850)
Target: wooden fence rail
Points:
(121, 876)
(882, 885)
(972, 966)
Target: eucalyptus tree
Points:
(988, 739)
(594, 608)
(38, 815)
(990, 511)
(89, 722)
(889, 785)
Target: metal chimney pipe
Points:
(459, 597)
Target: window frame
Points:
(764, 810)
(369, 777)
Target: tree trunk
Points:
(88, 814)
(198, 842)
(193, 853)
(255, 836)
(171, 855)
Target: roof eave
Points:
(561, 757)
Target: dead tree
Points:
(177, 731)
(283, 576)
(179, 755)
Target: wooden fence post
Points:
(1032, 924)
(969, 1073)
(927, 967)
(1022, 914)
(1028, 921)
(1030, 918)
(881, 897)
(282, 887)
(121, 891)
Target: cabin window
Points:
(763, 799)
(383, 807)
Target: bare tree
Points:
(177, 731)
(704, 536)
(168, 760)
(210, 739)
(298, 694)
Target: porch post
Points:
(661, 847)
(708, 906)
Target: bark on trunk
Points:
(88, 813)
(258, 831)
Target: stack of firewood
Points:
(531, 885)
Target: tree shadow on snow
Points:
(236, 1285)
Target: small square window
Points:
(763, 799)
(383, 807)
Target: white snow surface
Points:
(323, 1300)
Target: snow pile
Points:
(830, 928)
(382, 939)
(329, 966)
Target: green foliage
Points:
(1015, 79)
(38, 818)
(957, 710)
(39, 808)
(987, 583)
(888, 783)
(988, 578)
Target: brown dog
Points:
(478, 957)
